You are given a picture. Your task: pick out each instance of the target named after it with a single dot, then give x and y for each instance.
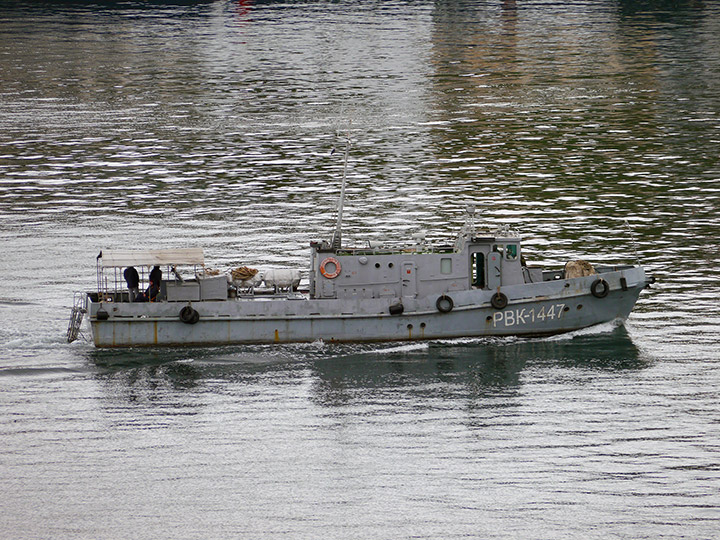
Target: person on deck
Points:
(156, 276)
(133, 281)
(154, 289)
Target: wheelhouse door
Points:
(477, 270)
(409, 281)
(494, 269)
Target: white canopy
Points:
(150, 257)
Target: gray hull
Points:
(544, 308)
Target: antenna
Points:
(337, 235)
(633, 242)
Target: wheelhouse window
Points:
(445, 265)
(511, 252)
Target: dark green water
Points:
(592, 127)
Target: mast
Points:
(337, 235)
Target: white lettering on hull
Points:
(520, 316)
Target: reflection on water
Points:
(467, 369)
(352, 374)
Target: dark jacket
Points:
(131, 277)
(156, 276)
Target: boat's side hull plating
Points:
(533, 309)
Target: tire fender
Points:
(600, 288)
(188, 315)
(499, 300)
(444, 304)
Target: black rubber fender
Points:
(444, 304)
(188, 315)
(600, 288)
(499, 300)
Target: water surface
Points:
(592, 127)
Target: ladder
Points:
(76, 316)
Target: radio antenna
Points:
(633, 242)
(337, 235)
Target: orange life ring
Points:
(330, 275)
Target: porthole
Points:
(579, 306)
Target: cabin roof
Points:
(150, 257)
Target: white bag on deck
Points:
(284, 278)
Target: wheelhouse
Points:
(416, 270)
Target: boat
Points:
(478, 285)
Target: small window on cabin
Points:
(445, 266)
(511, 252)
